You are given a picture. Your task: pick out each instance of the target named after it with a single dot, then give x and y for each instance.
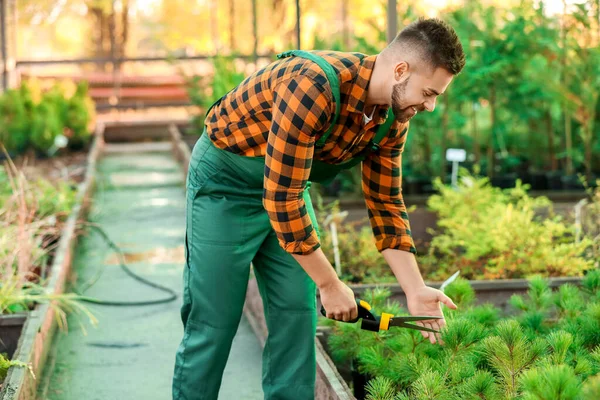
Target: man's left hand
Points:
(426, 302)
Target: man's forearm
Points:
(318, 267)
(405, 268)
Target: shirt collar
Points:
(359, 89)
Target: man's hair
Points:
(434, 41)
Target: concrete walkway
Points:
(140, 203)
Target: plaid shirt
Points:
(280, 111)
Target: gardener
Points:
(302, 118)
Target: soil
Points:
(66, 166)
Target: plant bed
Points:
(10, 332)
(43, 319)
(548, 348)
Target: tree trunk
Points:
(550, 133)
(443, 144)
(490, 150)
(345, 31)
(232, 26)
(565, 79)
(475, 134)
(568, 143)
(255, 31)
(588, 144)
(214, 25)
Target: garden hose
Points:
(172, 294)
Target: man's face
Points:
(417, 92)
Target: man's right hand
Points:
(338, 301)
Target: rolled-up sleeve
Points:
(382, 188)
(301, 108)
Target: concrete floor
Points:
(140, 203)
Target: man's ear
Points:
(400, 70)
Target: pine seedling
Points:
(559, 343)
(411, 368)
(591, 389)
(510, 353)
(377, 297)
(539, 296)
(347, 340)
(581, 359)
(461, 334)
(431, 385)
(569, 301)
(480, 386)
(381, 388)
(551, 382)
(486, 315)
(374, 362)
(591, 282)
(461, 292)
(589, 326)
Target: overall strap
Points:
(334, 82)
(382, 131)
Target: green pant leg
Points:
(289, 297)
(219, 253)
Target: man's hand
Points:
(426, 301)
(338, 301)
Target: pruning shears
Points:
(375, 323)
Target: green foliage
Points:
(79, 111)
(14, 120)
(493, 233)
(32, 118)
(489, 358)
(359, 258)
(5, 364)
(204, 91)
(381, 389)
(552, 382)
(461, 292)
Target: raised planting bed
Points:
(41, 323)
(546, 348)
(10, 332)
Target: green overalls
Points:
(227, 229)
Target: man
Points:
(294, 121)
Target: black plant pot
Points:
(359, 382)
(505, 181)
(10, 332)
(538, 181)
(554, 180)
(571, 182)
(417, 185)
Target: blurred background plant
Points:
(33, 118)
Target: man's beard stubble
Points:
(401, 114)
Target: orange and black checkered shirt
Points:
(280, 111)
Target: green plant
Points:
(80, 110)
(31, 117)
(360, 261)
(506, 358)
(14, 120)
(492, 233)
(204, 91)
(5, 364)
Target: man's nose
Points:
(429, 105)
